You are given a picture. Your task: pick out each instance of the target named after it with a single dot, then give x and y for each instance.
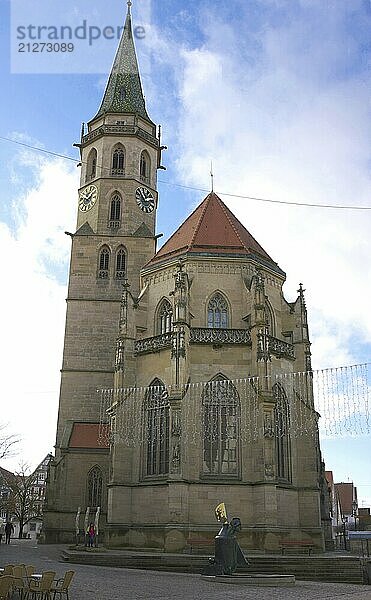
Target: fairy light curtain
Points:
(334, 402)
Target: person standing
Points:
(91, 535)
(2, 530)
(9, 529)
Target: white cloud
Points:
(32, 305)
(291, 122)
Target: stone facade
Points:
(197, 349)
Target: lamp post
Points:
(354, 513)
(345, 520)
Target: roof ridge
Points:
(226, 210)
(206, 201)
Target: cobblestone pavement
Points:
(109, 583)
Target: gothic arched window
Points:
(91, 166)
(282, 428)
(221, 414)
(115, 211)
(270, 318)
(120, 264)
(156, 406)
(118, 161)
(103, 263)
(145, 166)
(217, 312)
(95, 487)
(164, 317)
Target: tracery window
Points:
(156, 456)
(95, 487)
(118, 161)
(145, 166)
(282, 428)
(270, 318)
(217, 312)
(103, 263)
(221, 413)
(115, 211)
(91, 167)
(164, 317)
(120, 264)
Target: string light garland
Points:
(331, 403)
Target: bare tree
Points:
(23, 504)
(7, 442)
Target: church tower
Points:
(115, 237)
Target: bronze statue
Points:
(228, 554)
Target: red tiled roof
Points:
(330, 477)
(86, 435)
(346, 493)
(211, 229)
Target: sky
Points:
(276, 93)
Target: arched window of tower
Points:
(120, 263)
(103, 263)
(217, 312)
(164, 319)
(91, 166)
(115, 211)
(122, 94)
(118, 161)
(145, 167)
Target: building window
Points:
(95, 486)
(91, 167)
(122, 94)
(115, 211)
(103, 266)
(118, 161)
(221, 414)
(157, 430)
(145, 167)
(120, 264)
(217, 312)
(282, 428)
(164, 317)
(269, 315)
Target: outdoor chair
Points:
(40, 589)
(29, 570)
(19, 585)
(8, 570)
(62, 585)
(6, 582)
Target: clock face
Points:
(145, 199)
(88, 198)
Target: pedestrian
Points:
(91, 535)
(9, 529)
(2, 530)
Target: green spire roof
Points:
(124, 92)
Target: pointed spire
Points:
(124, 92)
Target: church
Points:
(186, 375)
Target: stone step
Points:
(341, 569)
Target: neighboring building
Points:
(176, 334)
(347, 498)
(5, 477)
(34, 495)
(364, 519)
